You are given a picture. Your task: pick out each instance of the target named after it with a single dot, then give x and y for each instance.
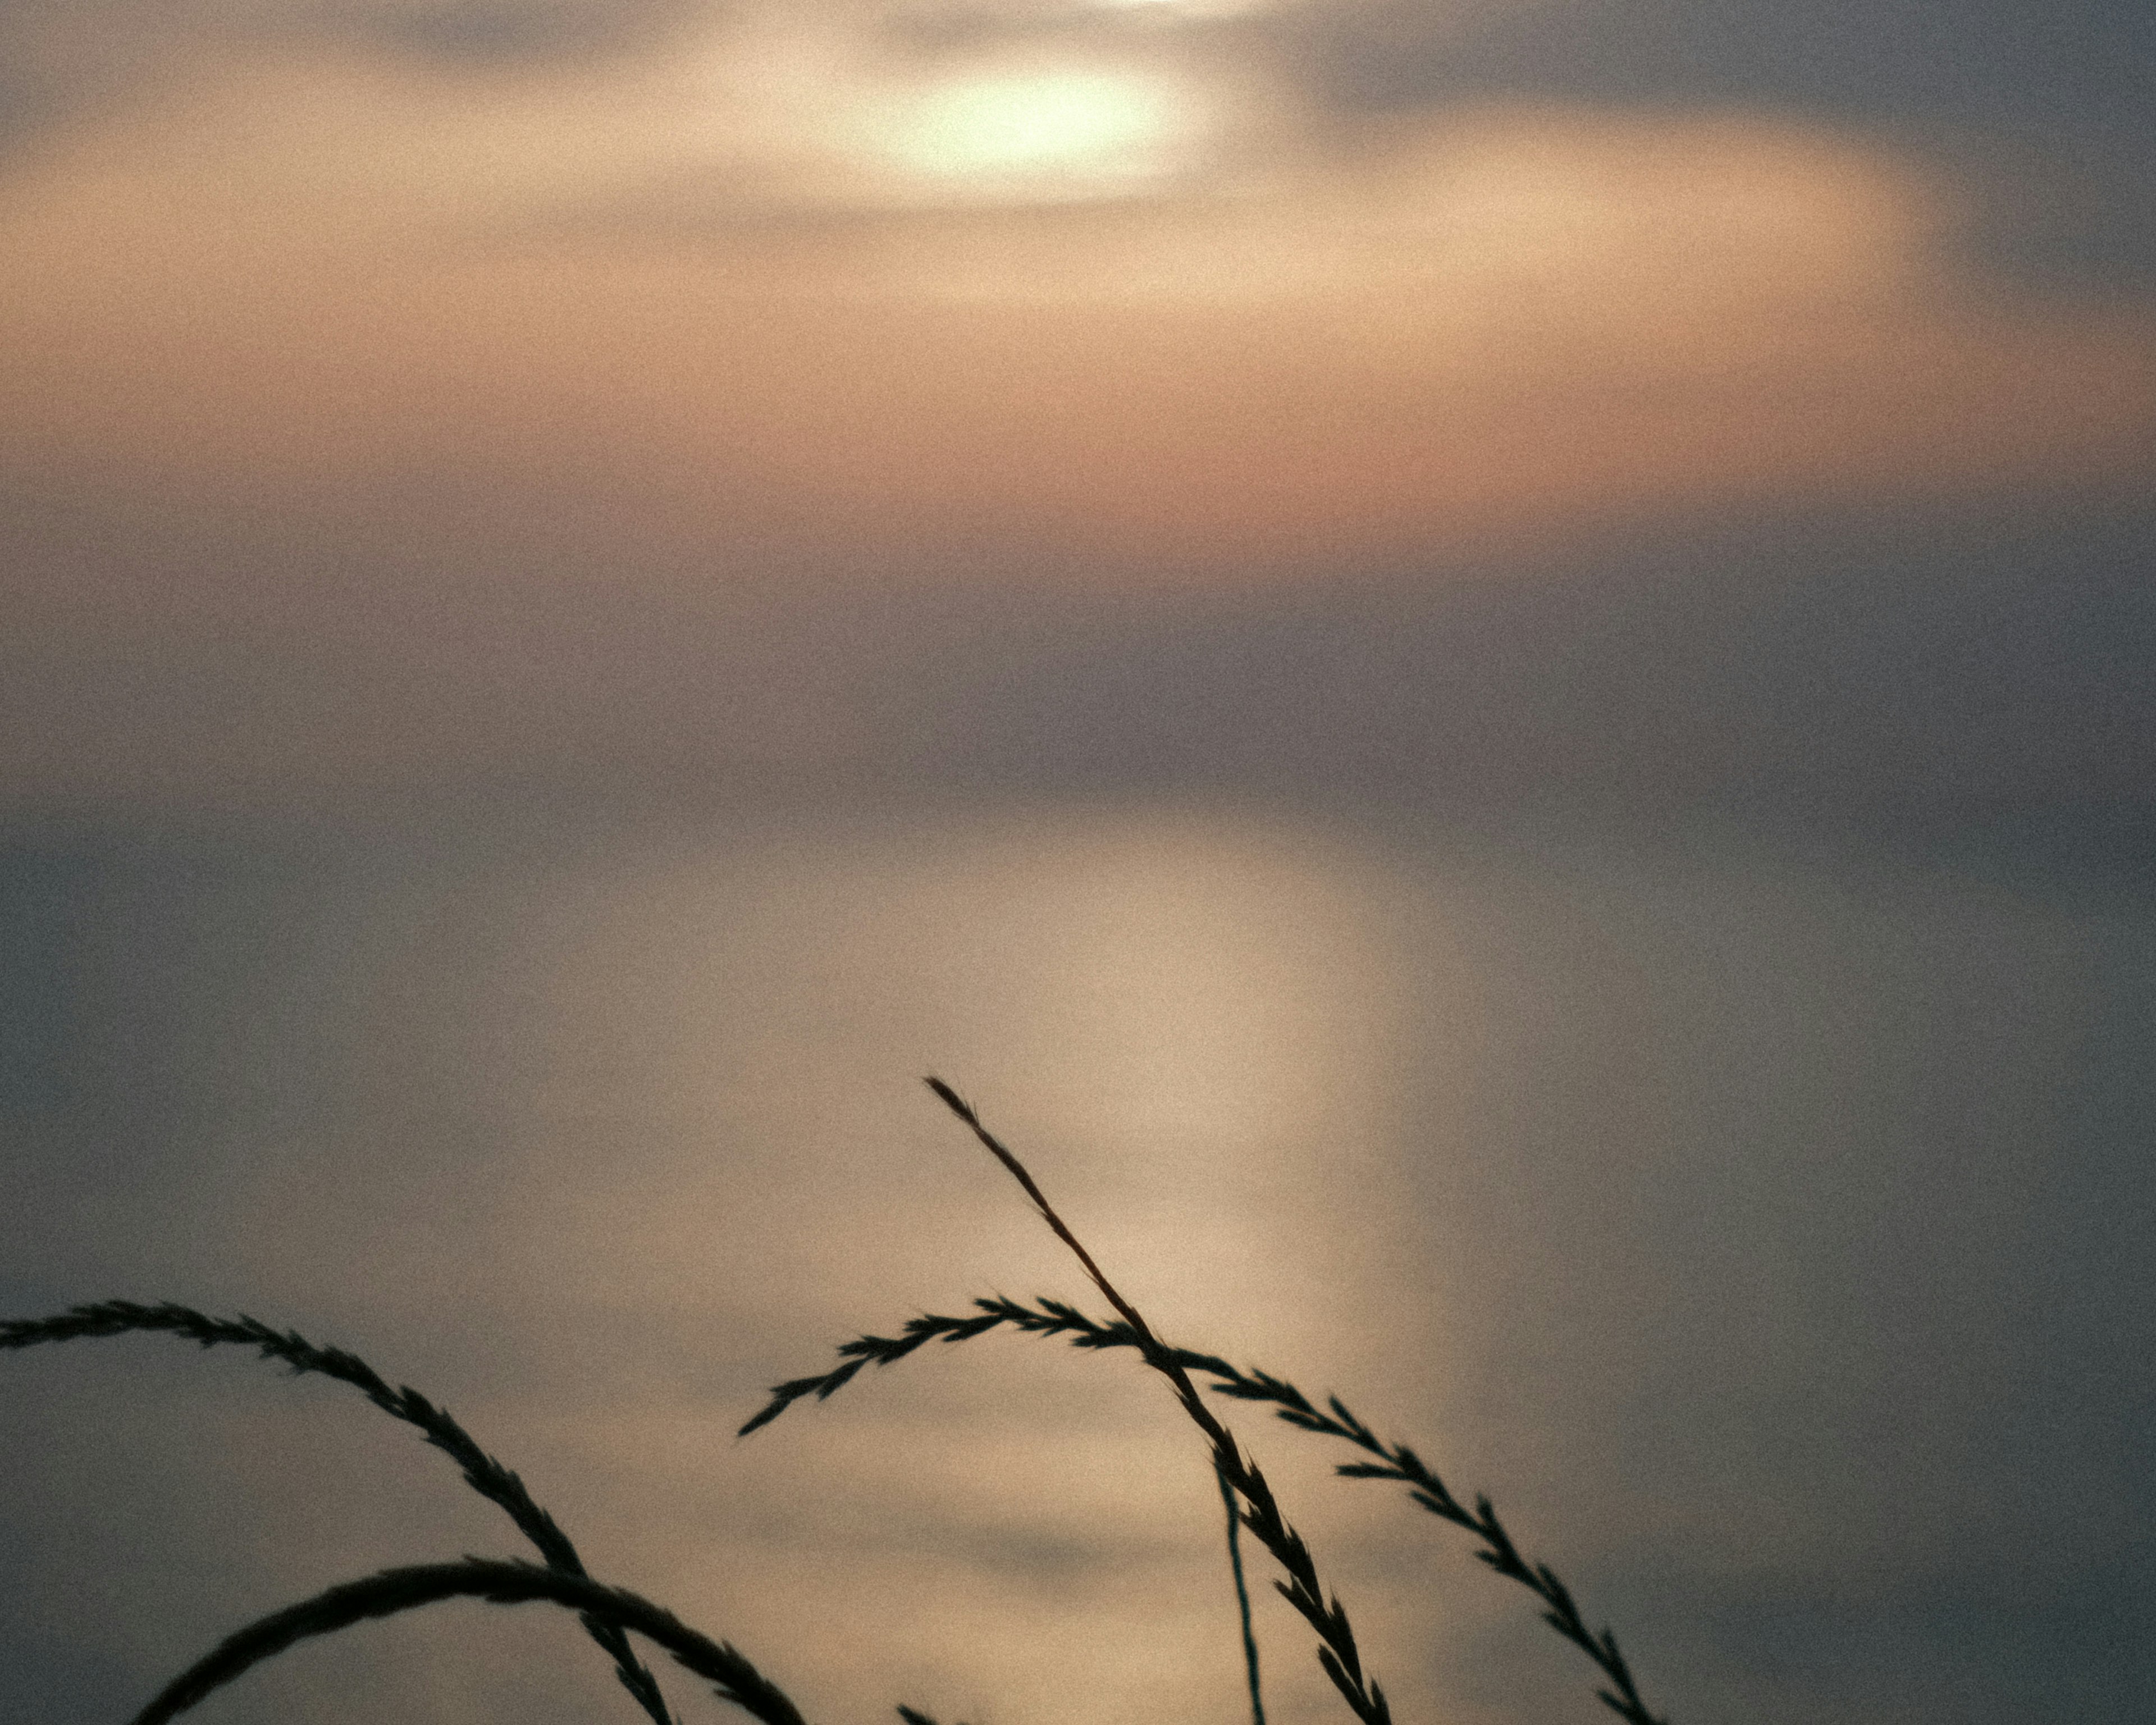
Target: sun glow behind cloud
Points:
(1024, 129)
(805, 109)
(775, 304)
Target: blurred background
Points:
(1481, 666)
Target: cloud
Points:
(364, 418)
(1487, 323)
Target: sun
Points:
(1090, 122)
(1017, 102)
(1043, 129)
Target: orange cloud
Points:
(356, 425)
(1487, 325)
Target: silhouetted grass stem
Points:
(1242, 1601)
(485, 1475)
(1053, 1317)
(499, 1583)
(1337, 1653)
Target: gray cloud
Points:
(1919, 678)
(2045, 112)
(58, 61)
(1933, 681)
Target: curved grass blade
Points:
(501, 1584)
(1395, 1462)
(1399, 1463)
(485, 1475)
(1337, 1653)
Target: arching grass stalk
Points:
(481, 1472)
(501, 1584)
(1337, 1652)
(610, 1614)
(1395, 1462)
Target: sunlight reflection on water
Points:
(1191, 1025)
(1719, 1219)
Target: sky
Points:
(1479, 665)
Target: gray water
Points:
(1768, 1236)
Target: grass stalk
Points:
(1336, 1651)
(610, 1615)
(1394, 1461)
(1242, 1600)
(485, 1475)
(499, 1583)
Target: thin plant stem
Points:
(502, 1583)
(1242, 1600)
(608, 1614)
(485, 1475)
(1337, 1652)
(1394, 1461)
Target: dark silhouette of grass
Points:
(1242, 1600)
(610, 1615)
(1395, 1462)
(481, 1472)
(1337, 1652)
(501, 1584)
